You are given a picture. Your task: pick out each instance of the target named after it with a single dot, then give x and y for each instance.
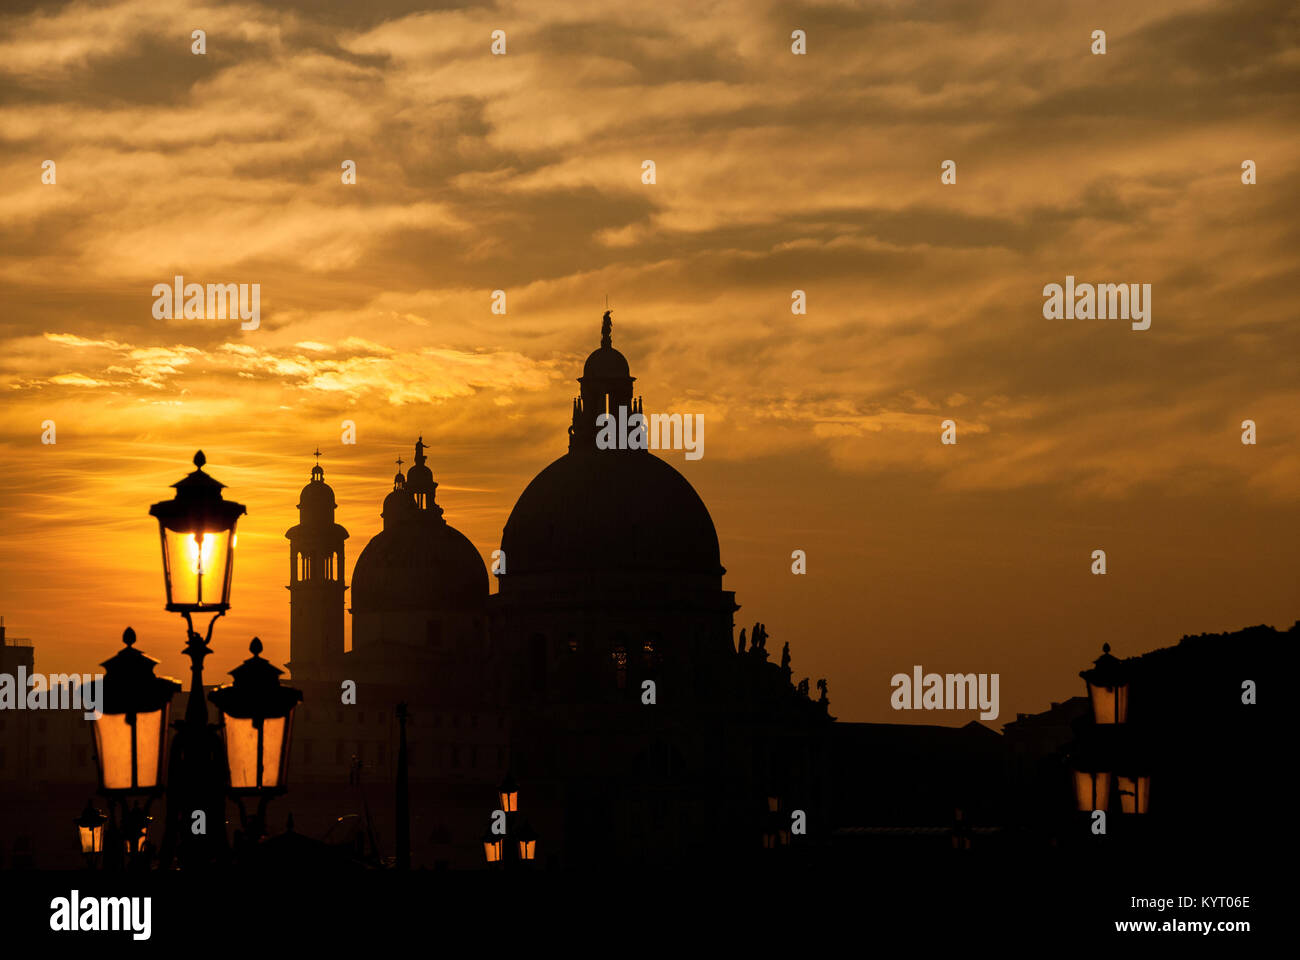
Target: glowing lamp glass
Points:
(129, 747)
(1091, 790)
(1134, 794)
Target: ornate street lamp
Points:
(492, 846)
(509, 791)
(257, 714)
(130, 733)
(257, 720)
(527, 838)
(197, 528)
(90, 829)
(1108, 688)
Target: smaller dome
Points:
(606, 362)
(316, 494)
(397, 503)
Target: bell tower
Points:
(316, 582)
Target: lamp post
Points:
(523, 849)
(256, 712)
(1111, 751)
(197, 531)
(247, 752)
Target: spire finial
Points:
(605, 327)
(200, 459)
(400, 461)
(317, 455)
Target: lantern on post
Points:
(90, 830)
(130, 733)
(1133, 778)
(509, 791)
(527, 838)
(257, 719)
(1107, 682)
(197, 528)
(1091, 779)
(492, 846)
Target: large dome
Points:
(610, 510)
(419, 566)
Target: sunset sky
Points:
(775, 172)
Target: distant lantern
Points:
(1134, 793)
(90, 828)
(773, 804)
(527, 838)
(509, 791)
(1092, 789)
(130, 734)
(197, 528)
(492, 847)
(257, 714)
(1132, 777)
(1108, 687)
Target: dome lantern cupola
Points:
(316, 501)
(421, 485)
(398, 505)
(606, 385)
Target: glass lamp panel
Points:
(197, 564)
(274, 743)
(113, 744)
(113, 739)
(527, 848)
(510, 802)
(1135, 794)
(492, 850)
(92, 839)
(149, 729)
(1084, 784)
(241, 751)
(1109, 704)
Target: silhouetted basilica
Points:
(604, 674)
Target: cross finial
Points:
(400, 461)
(317, 456)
